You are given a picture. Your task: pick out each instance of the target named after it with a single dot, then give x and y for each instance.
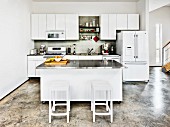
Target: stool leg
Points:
(92, 99)
(53, 106)
(107, 106)
(111, 107)
(67, 111)
(94, 106)
(49, 111)
(68, 105)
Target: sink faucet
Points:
(89, 51)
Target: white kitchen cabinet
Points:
(42, 26)
(108, 27)
(71, 57)
(51, 22)
(32, 63)
(31, 68)
(133, 21)
(104, 23)
(72, 27)
(122, 21)
(112, 26)
(34, 26)
(60, 22)
(112, 57)
(38, 26)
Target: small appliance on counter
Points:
(55, 51)
(105, 49)
(42, 49)
(33, 51)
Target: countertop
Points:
(84, 64)
(80, 54)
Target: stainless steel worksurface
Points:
(84, 64)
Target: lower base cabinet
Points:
(33, 62)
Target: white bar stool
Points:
(55, 95)
(98, 86)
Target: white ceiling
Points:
(85, 0)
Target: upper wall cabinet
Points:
(127, 21)
(72, 27)
(122, 22)
(133, 21)
(55, 22)
(108, 26)
(38, 30)
(46, 22)
(51, 22)
(60, 22)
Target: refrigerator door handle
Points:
(136, 46)
(136, 63)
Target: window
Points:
(159, 44)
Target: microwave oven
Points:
(55, 35)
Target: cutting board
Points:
(63, 62)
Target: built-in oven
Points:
(55, 35)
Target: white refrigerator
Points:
(133, 48)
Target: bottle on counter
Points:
(69, 50)
(74, 52)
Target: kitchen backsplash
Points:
(81, 46)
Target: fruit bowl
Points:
(58, 59)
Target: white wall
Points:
(155, 4)
(142, 9)
(84, 7)
(15, 43)
(160, 16)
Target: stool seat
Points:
(54, 89)
(105, 87)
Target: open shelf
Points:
(88, 27)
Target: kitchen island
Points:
(80, 74)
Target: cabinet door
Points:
(37, 71)
(72, 27)
(34, 26)
(31, 69)
(112, 27)
(42, 26)
(104, 23)
(122, 22)
(71, 57)
(60, 22)
(51, 22)
(133, 21)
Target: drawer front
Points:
(71, 57)
(35, 58)
(90, 57)
(116, 58)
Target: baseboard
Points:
(13, 89)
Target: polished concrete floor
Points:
(144, 105)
